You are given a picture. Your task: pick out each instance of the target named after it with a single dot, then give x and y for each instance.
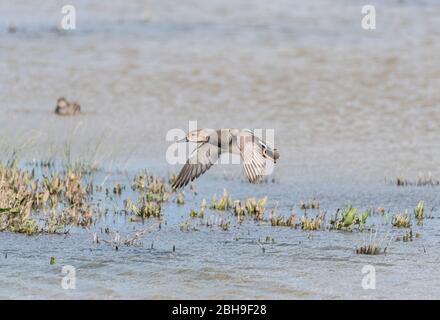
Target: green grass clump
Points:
(348, 218)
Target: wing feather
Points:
(252, 156)
(200, 161)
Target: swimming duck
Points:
(66, 108)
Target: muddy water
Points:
(349, 107)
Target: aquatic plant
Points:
(422, 180)
(15, 220)
(184, 226)
(281, 221)
(312, 223)
(311, 204)
(139, 182)
(278, 221)
(22, 196)
(202, 209)
(213, 203)
(268, 239)
(419, 210)
(256, 207)
(400, 221)
(155, 187)
(226, 201)
(371, 247)
(118, 188)
(401, 181)
(238, 209)
(180, 199)
(291, 220)
(224, 225)
(172, 178)
(408, 236)
(348, 217)
(143, 207)
(223, 204)
(193, 213)
(362, 218)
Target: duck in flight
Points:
(212, 143)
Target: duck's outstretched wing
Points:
(200, 161)
(251, 153)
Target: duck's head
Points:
(62, 103)
(62, 106)
(198, 136)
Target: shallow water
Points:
(349, 107)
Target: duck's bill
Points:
(271, 154)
